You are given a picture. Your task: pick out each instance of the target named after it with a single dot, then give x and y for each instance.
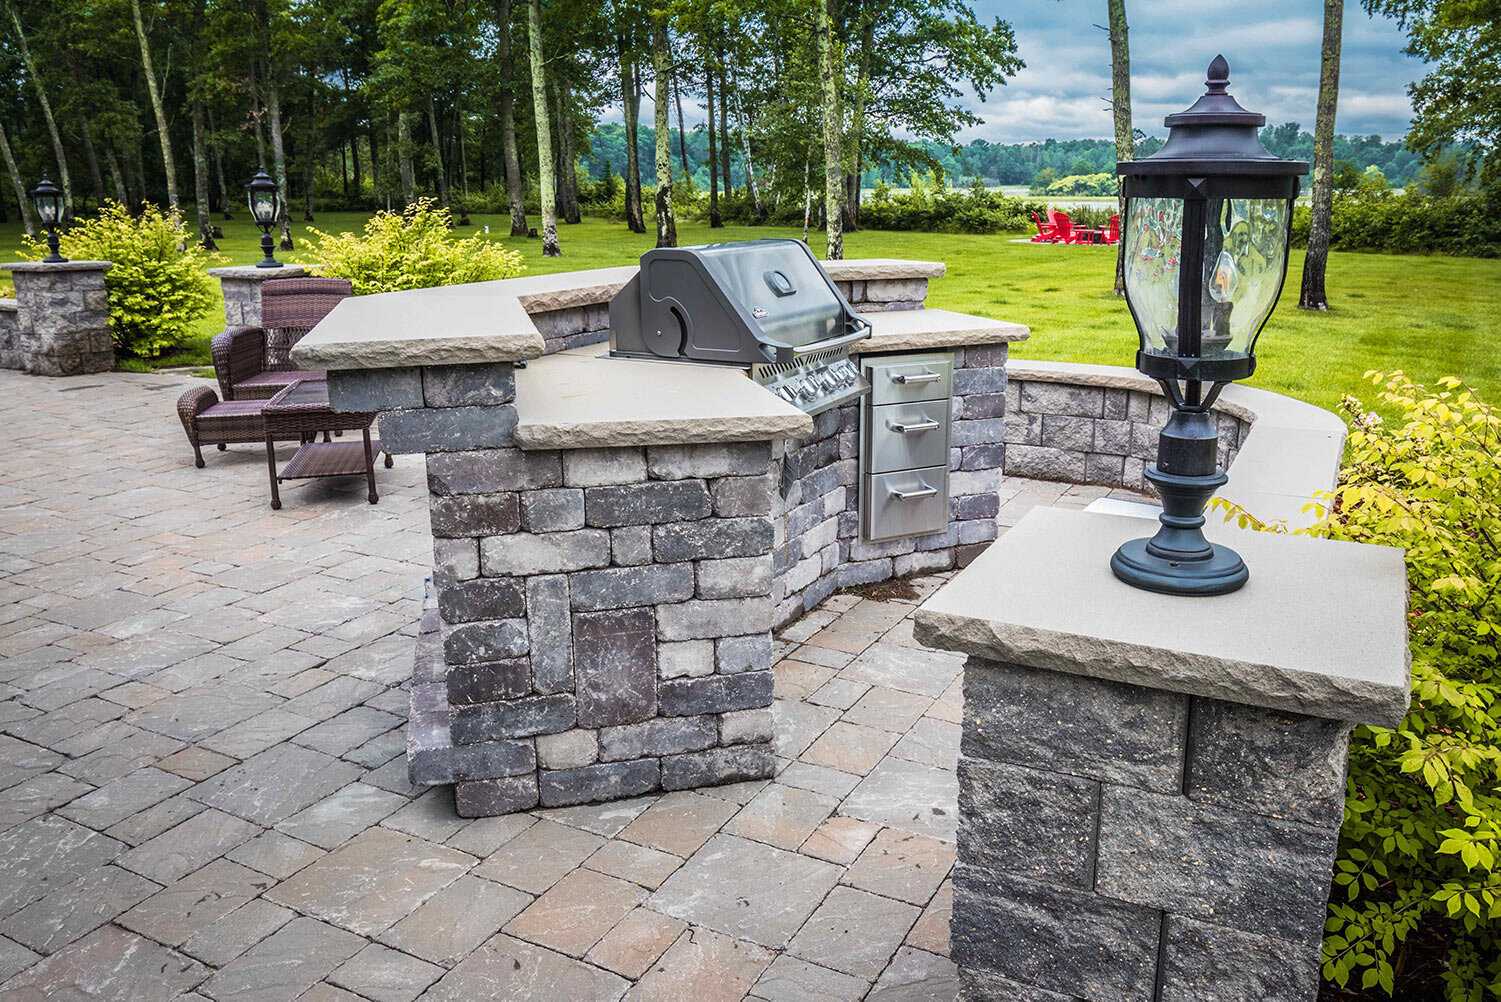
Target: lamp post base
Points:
(268, 247)
(1179, 560)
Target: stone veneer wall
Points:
(9, 354)
(241, 285)
(1093, 434)
(60, 322)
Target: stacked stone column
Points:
(61, 320)
(241, 285)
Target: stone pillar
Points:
(242, 290)
(1152, 787)
(61, 319)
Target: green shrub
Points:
(411, 249)
(1372, 217)
(938, 209)
(1081, 184)
(1417, 867)
(158, 288)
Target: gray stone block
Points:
(1113, 437)
(1117, 405)
(645, 503)
(598, 467)
(974, 506)
(547, 553)
(1282, 764)
(892, 290)
(1212, 963)
(734, 577)
(1057, 398)
(474, 514)
(983, 457)
(702, 618)
(657, 737)
(447, 429)
(685, 659)
(986, 355)
(568, 749)
(486, 384)
(864, 572)
(516, 718)
(1105, 470)
(735, 764)
(489, 682)
(547, 604)
(1230, 868)
(1071, 942)
(907, 564)
(623, 587)
(1060, 431)
(555, 509)
(712, 538)
(487, 471)
(1071, 724)
(605, 781)
(985, 379)
(472, 643)
(986, 986)
(740, 727)
(493, 797)
(739, 496)
(455, 560)
(630, 545)
(1027, 822)
(729, 459)
(737, 654)
(1023, 429)
(981, 405)
(481, 598)
(572, 320)
(491, 760)
(362, 390)
(715, 694)
(615, 666)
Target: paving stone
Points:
(120, 758)
(850, 748)
(679, 823)
(901, 865)
(41, 855)
(237, 932)
(909, 796)
(385, 975)
(189, 846)
(482, 836)
(15, 958)
(118, 800)
(430, 816)
(38, 795)
(840, 693)
(275, 784)
(373, 881)
(197, 901)
(20, 760)
(637, 941)
(854, 932)
(924, 672)
(636, 863)
(261, 732)
(539, 857)
(789, 979)
(195, 763)
(276, 854)
(888, 709)
(201, 711)
(602, 819)
(916, 976)
(931, 933)
(839, 840)
(452, 923)
(932, 742)
(110, 965)
(703, 966)
(340, 816)
(576, 912)
(508, 968)
(285, 964)
(819, 779)
(348, 730)
(747, 890)
(782, 816)
(146, 825)
(77, 909)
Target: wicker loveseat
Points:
(253, 363)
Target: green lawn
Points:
(1431, 316)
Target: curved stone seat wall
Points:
(9, 350)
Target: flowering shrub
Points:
(1417, 868)
(411, 249)
(158, 287)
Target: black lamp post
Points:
(48, 199)
(265, 208)
(1208, 221)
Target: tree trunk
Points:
(404, 159)
(724, 134)
(217, 153)
(432, 123)
(27, 223)
(667, 226)
(833, 169)
(113, 162)
(677, 97)
(156, 105)
(715, 220)
(1313, 295)
(857, 126)
(41, 96)
(568, 182)
(258, 117)
(354, 162)
(545, 166)
(630, 98)
(374, 134)
(515, 192)
(200, 181)
(1120, 102)
(273, 115)
(745, 149)
(807, 194)
(309, 163)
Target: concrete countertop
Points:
(1320, 629)
(931, 330)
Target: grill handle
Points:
(908, 428)
(777, 352)
(926, 376)
(922, 492)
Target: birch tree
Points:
(1313, 295)
(515, 192)
(41, 97)
(154, 92)
(667, 226)
(545, 167)
(1120, 107)
(19, 186)
(833, 165)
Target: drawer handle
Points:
(926, 376)
(915, 426)
(922, 492)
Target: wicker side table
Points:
(302, 410)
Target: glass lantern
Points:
(48, 201)
(265, 208)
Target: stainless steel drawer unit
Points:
(904, 445)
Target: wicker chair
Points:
(253, 363)
(209, 421)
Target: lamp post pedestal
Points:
(61, 319)
(242, 290)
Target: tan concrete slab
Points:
(929, 330)
(1320, 628)
(864, 269)
(579, 399)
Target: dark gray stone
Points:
(482, 385)
(481, 598)
(718, 765)
(986, 986)
(622, 587)
(1056, 398)
(554, 509)
(447, 429)
(361, 390)
(660, 736)
(491, 797)
(487, 471)
(1243, 870)
(1211, 963)
(985, 379)
(448, 763)
(474, 515)
(715, 693)
(489, 682)
(654, 501)
(517, 718)
(983, 457)
(471, 643)
(974, 506)
(739, 654)
(547, 604)
(1025, 822)
(615, 664)
(630, 545)
(1283, 764)
(604, 781)
(1081, 726)
(739, 496)
(1071, 942)
(983, 405)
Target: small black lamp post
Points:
(1208, 221)
(265, 207)
(48, 199)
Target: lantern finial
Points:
(1219, 76)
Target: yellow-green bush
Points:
(158, 288)
(411, 249)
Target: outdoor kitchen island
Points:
(615, 539)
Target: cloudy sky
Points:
(1272, 46)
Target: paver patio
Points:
(203, 787)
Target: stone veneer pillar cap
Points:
(250, 272)
(14, 266)
(1321, 629)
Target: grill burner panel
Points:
(815, 385)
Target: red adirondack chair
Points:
(1112, 231)
(1063, 228)
(1044, 230)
